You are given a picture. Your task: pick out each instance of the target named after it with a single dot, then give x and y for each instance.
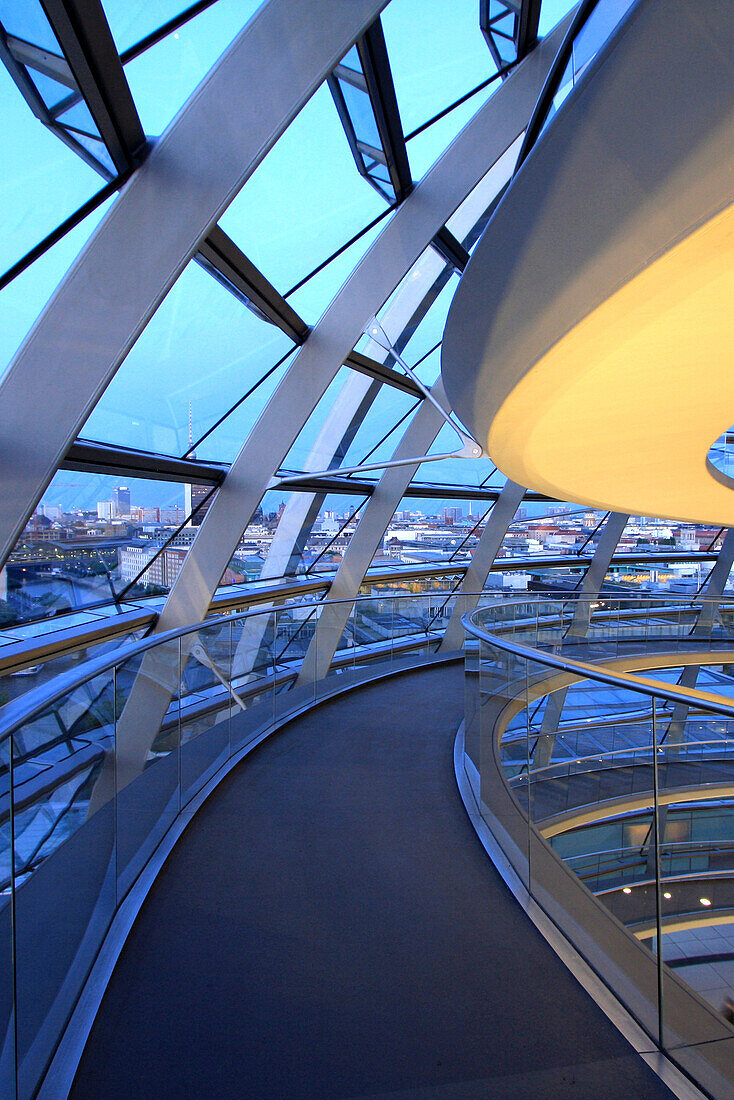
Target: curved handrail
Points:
(586, 671)
(55, 642)
(15, 713)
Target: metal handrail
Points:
(17, 712)
(654, 689)
(63, 639)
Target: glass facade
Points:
(217, 424)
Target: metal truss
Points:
(363, 78)
(510, 28)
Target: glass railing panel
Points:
(147, 742)
(15, 683)
(205, 703)
(7, 976)
(252, 641)
(413, 628)
(63, 860)
(695, 891)
(294, 630)
(603, 771)
(502, 705)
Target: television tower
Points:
(189, 453)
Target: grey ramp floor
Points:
(330, 926)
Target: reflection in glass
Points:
(95, 540)
(198, 354)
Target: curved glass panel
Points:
(162, 78)
(304, 201)
(22, 300)
(201, 350)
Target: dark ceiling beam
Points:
(101, 458)
(43, 61)
(527, 31)
(429, 490)
(372, 52)
(387, 375)
(493, 23)
(452, 250)
(221, 256)
(86, 41)
(375, 80)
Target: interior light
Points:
(667, 896)
(705, 901)
(626, 890)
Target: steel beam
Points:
(482, 561)
(365, 365)
(420, 434)
(155, 226)
(103, 458)
(454, 176)
(221, 256)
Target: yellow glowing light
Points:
(621, 412)
(705, 901)
(667, 896)
(626, 890)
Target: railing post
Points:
(658, 888)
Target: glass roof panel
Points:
(351, 60)
(162, 78)
(299, 453)
(434, 60)
(304, 200)
(312, 298)
(51, 91)
(360, 110)
(79, 118)
(428, 329)
(225, 441)
(21, 301)
(98, 150)
(202, 347)
(453, 471)
(386, 411)
(42, 181)
(551, 12)
(132, 20)
(28, 21)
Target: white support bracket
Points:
(470, 448)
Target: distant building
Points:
(105, 509)
(136, 560)
(121, 501)
(173, 516)
(193, 497)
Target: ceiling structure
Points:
(205, 327)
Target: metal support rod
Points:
(469, 446)
(658, 894)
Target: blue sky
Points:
(203, 346)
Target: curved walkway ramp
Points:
(330, 926)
